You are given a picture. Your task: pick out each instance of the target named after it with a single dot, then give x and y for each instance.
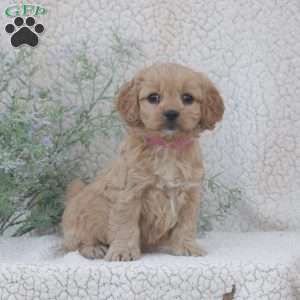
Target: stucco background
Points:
(250, 49)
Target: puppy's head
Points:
(170, 98)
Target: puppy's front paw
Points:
(188, 248)
(117, 253)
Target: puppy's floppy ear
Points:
(127, 103)
(212, 106)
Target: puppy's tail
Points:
(74, 188)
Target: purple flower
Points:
(36, 126)
(46, 141)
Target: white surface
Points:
(261, 265)
(250, 49)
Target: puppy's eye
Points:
(187, 99)
(154, 98)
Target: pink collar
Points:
(178, 144)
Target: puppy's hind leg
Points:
(71, 242)
(84, 221)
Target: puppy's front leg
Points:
(124, 230)
(183, 237)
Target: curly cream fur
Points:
(149, 197)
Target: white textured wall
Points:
(250, 49)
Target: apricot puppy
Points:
(149, 197)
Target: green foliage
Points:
(218, 200)
(46, 132)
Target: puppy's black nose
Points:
(171, 115)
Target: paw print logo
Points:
(23, 34)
